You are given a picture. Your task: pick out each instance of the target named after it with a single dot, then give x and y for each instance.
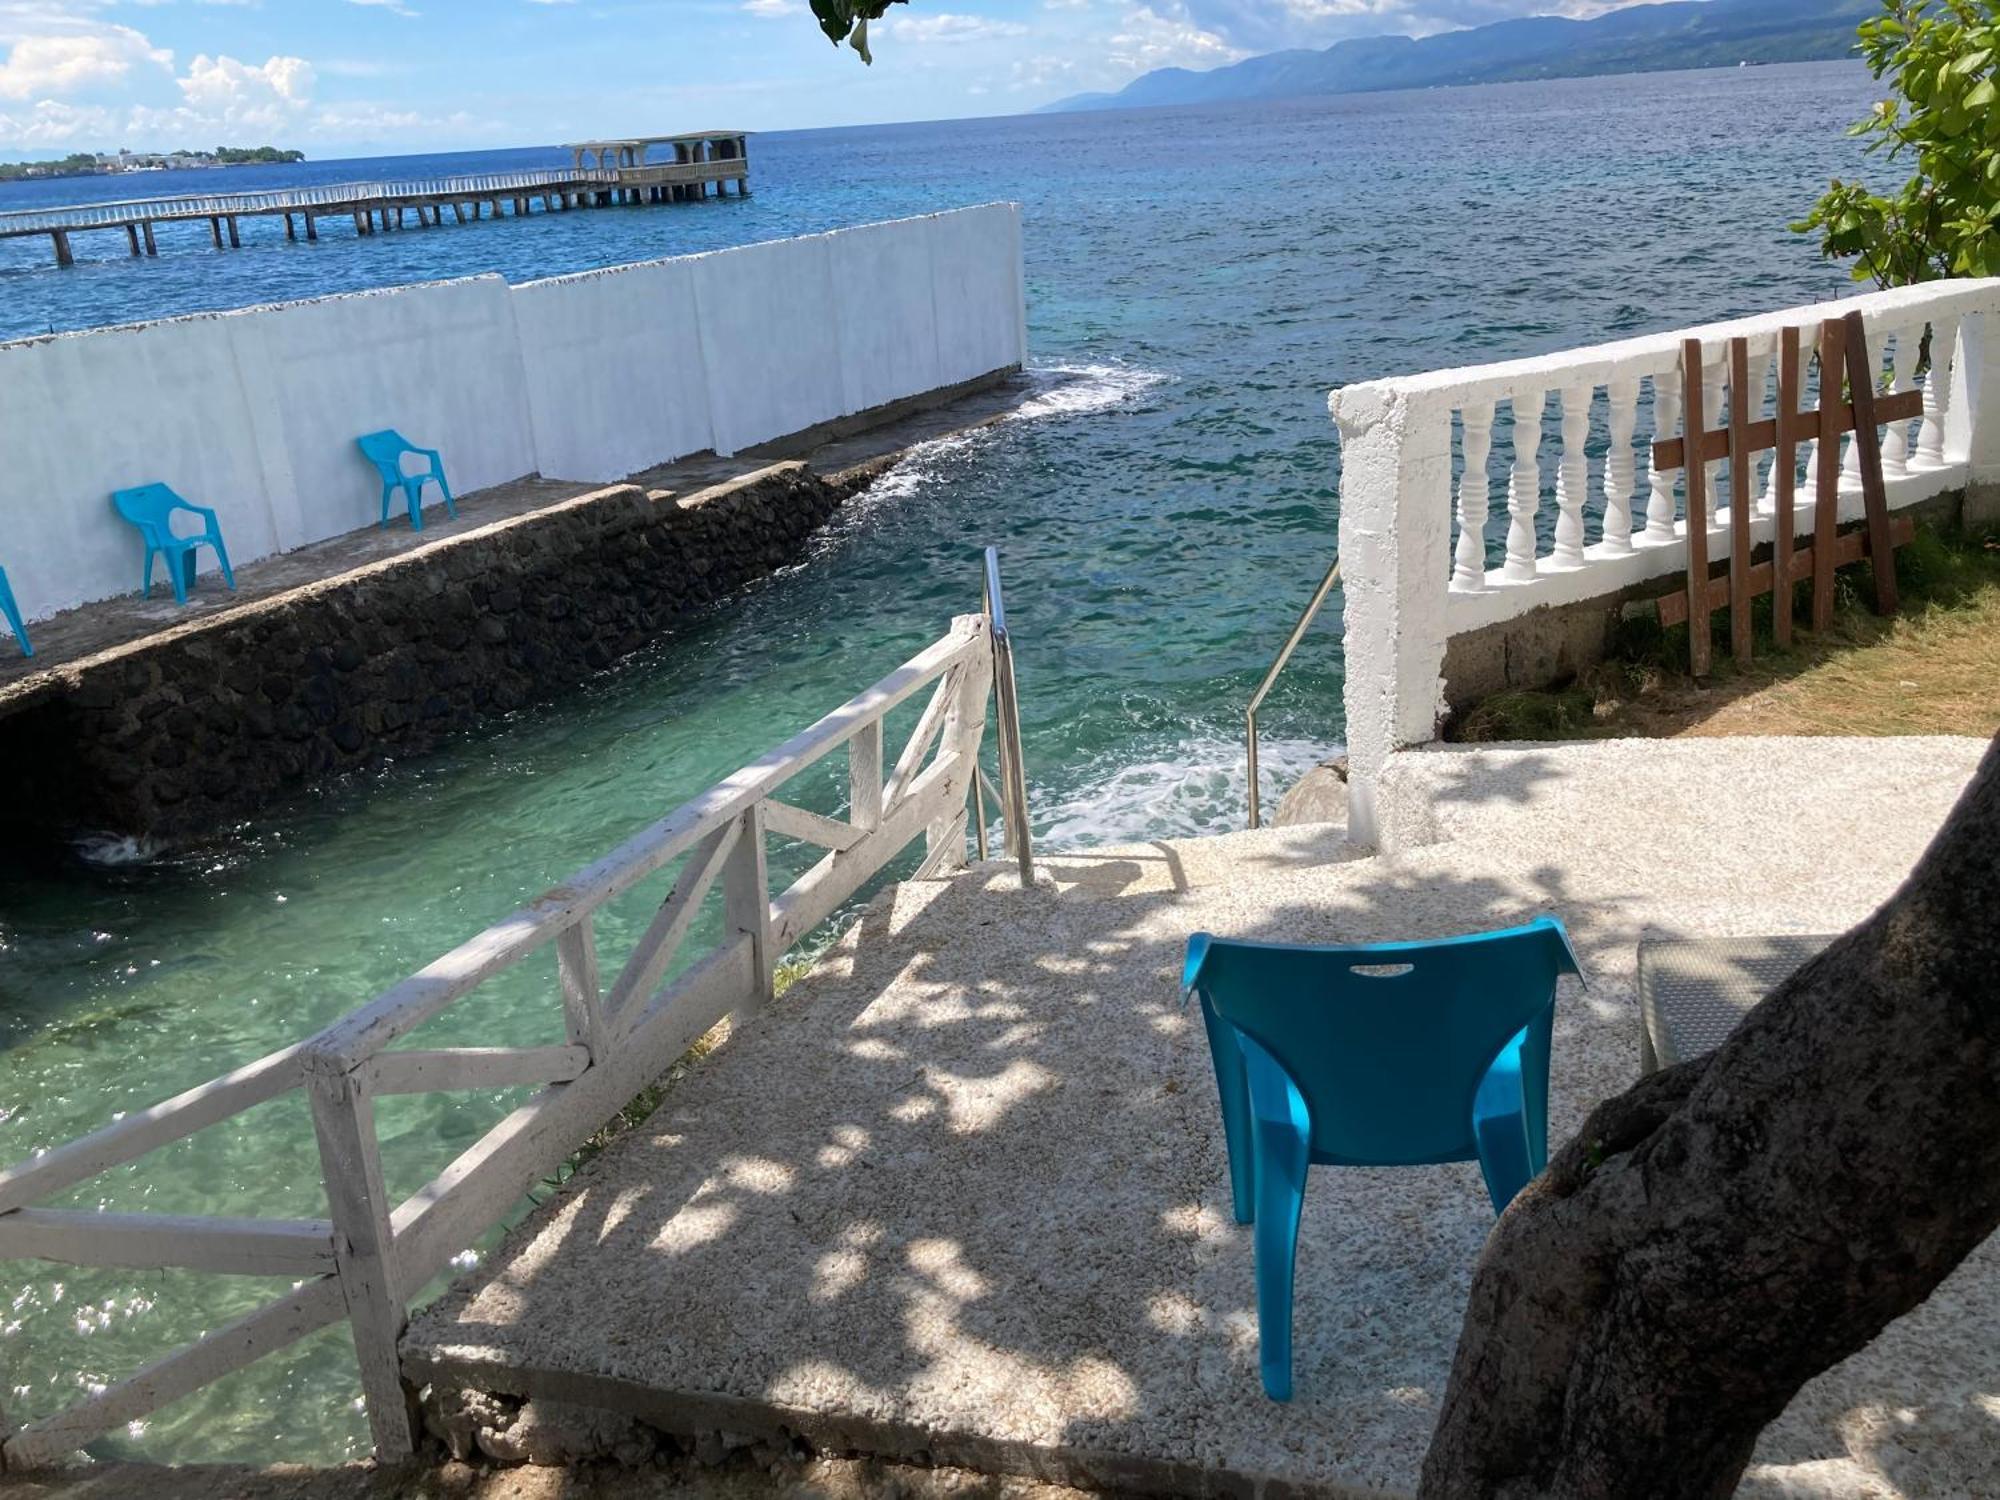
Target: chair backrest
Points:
(385, 449)
(1389, 1041)
(147, 506)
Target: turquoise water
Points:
(1204, 275)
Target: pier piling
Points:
(63, 255)
(132, 237)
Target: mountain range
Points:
(1638, 39)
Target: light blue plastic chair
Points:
(13, 613)
(151, 507)
(385, 450)
(1380, 1055)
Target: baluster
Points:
(1714, 382)
(1524, 485)
(1850, 450)
(1903, 368)
(1660, 502)
(1937, 393)
(1808, 369)
(1764, 499)
(1572, 476)
(1621, 416)
(1468, 573)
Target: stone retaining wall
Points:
(206, 723)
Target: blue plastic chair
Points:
(385, 450)
(151, 507)
(1380, 1055)
(13, 613)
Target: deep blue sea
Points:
(1205, 274)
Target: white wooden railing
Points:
(368, 1257)
(1557, 445)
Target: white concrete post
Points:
(1395, 548)
(1972, 414)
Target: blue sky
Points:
(339, 77)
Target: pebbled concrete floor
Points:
(960, 1197)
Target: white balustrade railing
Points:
(1571, 436)
(621, 1030)
(281, 200)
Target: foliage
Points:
(847, 21)
(1942, 114)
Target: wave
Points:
(112, 850)
(1069, 390)
(1199, 787)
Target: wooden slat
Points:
(271, 1327)
(655, 950)
(920, 741)
(1671, 453)
(1697, 514)
(1862, 374)
(792, 822)
(1849, 547)
(1826, 494)
(1742, 465)
(582, 993)
(351, 1165)
(864, 776)
(147, 1242)
(407, 1005)
(147, 1129)
(815, 895)
(455, 1208)
(1785, 483)
(746, 904)
(456, 1068)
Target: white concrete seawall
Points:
(588, 377)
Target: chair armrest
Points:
(200, 510)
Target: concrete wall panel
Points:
(884, 312)
(768, 339)
(614, 370)
(587, 377)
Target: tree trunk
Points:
(1726, 1230)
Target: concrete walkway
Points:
(961, 1195)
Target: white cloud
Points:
(1168, 38)
(44, 65)
(773, 7)
(947, 27)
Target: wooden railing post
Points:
(576, 971)
(864, 776)
(363, 1248)
(746, 903)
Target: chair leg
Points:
(1501, 1131)
(1284, 1151)
(146, 577)
(413, 495)
(13, 613)
(222, 560)
(1233, 1092)
(388, 490)
(177, 575)
(444, 489)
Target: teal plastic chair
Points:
(1381, 1055)
(13, 613)
(151, 507)
(385, 450)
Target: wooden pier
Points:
(602, 174)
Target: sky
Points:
(362, 77)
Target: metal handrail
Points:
(1264, 688)
(1007, 704)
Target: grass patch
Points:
(1932, 668)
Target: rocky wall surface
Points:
(202, 725)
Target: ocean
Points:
(1199, 277)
